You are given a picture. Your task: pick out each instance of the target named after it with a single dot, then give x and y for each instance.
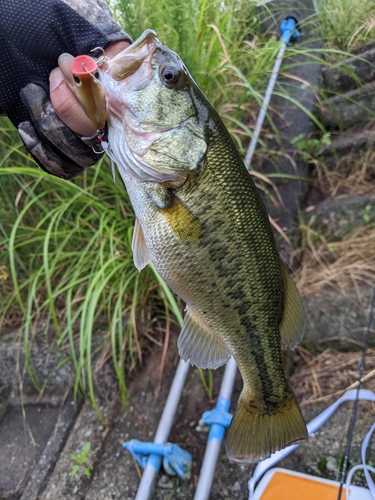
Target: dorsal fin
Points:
(141, 256)
(199, 345)
(292, 326)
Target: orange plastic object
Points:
(83, 65)
(284, 486)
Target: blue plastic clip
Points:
(176, 461)
(219, 418)
(289, 31)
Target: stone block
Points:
(351, 144)
(45, 359)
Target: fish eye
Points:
(77, 80)
(170, 75)
(96, 75)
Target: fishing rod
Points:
(355, 404)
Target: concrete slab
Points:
(45, 357)
(22, 446)
(67, 413)
(89, 427)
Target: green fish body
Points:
(201, 222)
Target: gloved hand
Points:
(33, 33)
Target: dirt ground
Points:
(40, 437)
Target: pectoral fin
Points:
(141, 256)
(181, 220)
(183, 223)
(199, 345)
(292, 326)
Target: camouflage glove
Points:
(33, 33)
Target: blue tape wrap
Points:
(175, 460)
(218, 418)
(155, 461)
(289, 32)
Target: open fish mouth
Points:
(129, 60)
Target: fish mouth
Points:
(130, 59)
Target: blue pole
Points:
(288, 33)
(216, 434)
(162, 433)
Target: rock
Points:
(351, 144)
(333, 317)
(338, 217)
(354, 107)
(337, 78)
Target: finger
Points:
(65, 62)
(67, 106)
(115, 47)
(45, 156)
(52, 130)
(63, 96)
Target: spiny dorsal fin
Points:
(292, 326)
(141, 257)
(199, 345)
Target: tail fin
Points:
(253, 436)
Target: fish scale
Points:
(237, 286)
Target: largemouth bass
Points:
(202, 223)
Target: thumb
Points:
(66, 104)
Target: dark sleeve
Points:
(33, 34)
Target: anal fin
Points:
(199, 345)
(292, 326)
(141, 256)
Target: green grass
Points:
(65, 249)
(346, 24)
